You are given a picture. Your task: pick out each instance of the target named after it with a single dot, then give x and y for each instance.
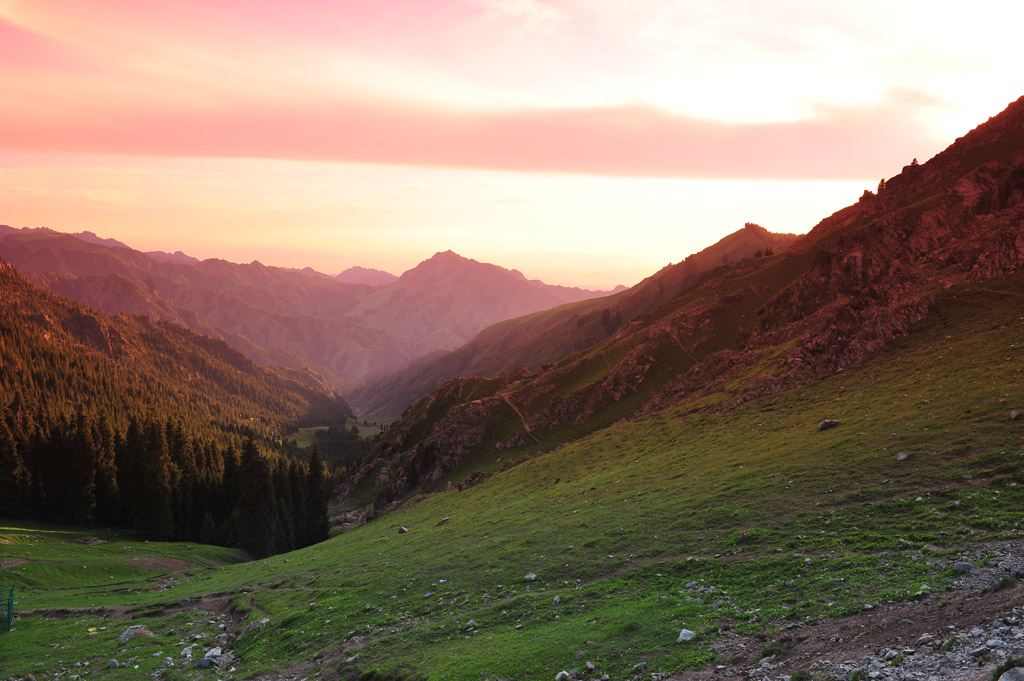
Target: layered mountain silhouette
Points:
(861, 278)
(348, 333)
(59, 355)
(551, 334)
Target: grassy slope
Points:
(772, 520)
(64, 589)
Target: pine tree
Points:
(152, 510)
(297, 485)
(284, 537)
(79, 472)
(13, 474)
(316, 509)
(107, 500)
(255, 509)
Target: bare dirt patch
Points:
(156, 563)
(12, 562)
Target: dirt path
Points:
(522, 418)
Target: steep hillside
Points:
(550, 335)
(59, 355)
(773, 542)
(861, 278)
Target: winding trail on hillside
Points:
(522, 418)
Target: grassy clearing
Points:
(747, 519)
(306, 437)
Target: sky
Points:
(583, 142)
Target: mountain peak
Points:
(366, 276)
(442, 263)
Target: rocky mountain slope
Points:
(861, 278)
(301, 319)
(547, 336)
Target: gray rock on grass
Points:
(134, 631)
(255, 624)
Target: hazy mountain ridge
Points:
(366, 276)
(861, 278)
(445, 300)
(58, 353)
(297, 318)
(551, 334)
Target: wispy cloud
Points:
(836, 143)
(533, 12)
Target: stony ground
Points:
(961, 635)
(979, 625)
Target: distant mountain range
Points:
(549, 335)
(347, 332)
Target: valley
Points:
(785, 457)
(746, 526)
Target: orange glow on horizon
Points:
(582, 143)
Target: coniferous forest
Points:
(132, 423)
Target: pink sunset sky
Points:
(584, 142)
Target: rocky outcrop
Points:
(863, 277)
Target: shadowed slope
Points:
(550, 335)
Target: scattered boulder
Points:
(213, 652)
(556, 600)
(403, 529)
(206, 663)
(1016, 415)
(685, 635)
(901, 456)
(113, 664)
(254, 625)
(530, 577)
(1015, 674)
(963, 566)
(827, 424)
(134, 631)
(639, 668)
(562, 676)
(186, 652)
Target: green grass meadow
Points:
(738, 518)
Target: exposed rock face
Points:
(863, 277)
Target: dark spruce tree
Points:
(316, 499)
(152, 512)
(256, 507)
(13, 474)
